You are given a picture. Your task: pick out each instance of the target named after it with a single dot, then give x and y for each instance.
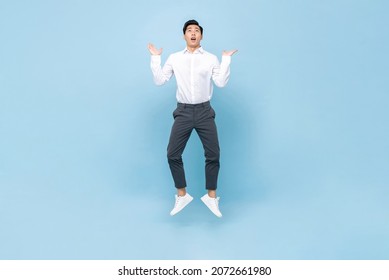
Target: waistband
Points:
(204, 104)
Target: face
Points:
(193, 36)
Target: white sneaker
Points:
(181, 202)
(212, 204)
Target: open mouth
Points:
(193, 39)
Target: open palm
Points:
(153, 50)
(229, 53)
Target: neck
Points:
(192, 49)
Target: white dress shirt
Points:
(194, 73)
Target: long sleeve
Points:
(161, 75)
(221, 72)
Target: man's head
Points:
(192, 22)
(193, 34)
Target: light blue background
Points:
(303, 127)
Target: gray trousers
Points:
(200, 117)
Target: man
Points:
(194, 69)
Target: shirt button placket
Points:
(192, 89)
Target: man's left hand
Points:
(229, 53)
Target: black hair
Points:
(192, 22)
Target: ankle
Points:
(212, 193)
(181, 192)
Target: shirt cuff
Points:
(156, 59)
(226, 59)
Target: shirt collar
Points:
(199, 50)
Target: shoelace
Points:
(177, 201)
(179, 198)
(216, 201)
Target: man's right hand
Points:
(153, 50)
